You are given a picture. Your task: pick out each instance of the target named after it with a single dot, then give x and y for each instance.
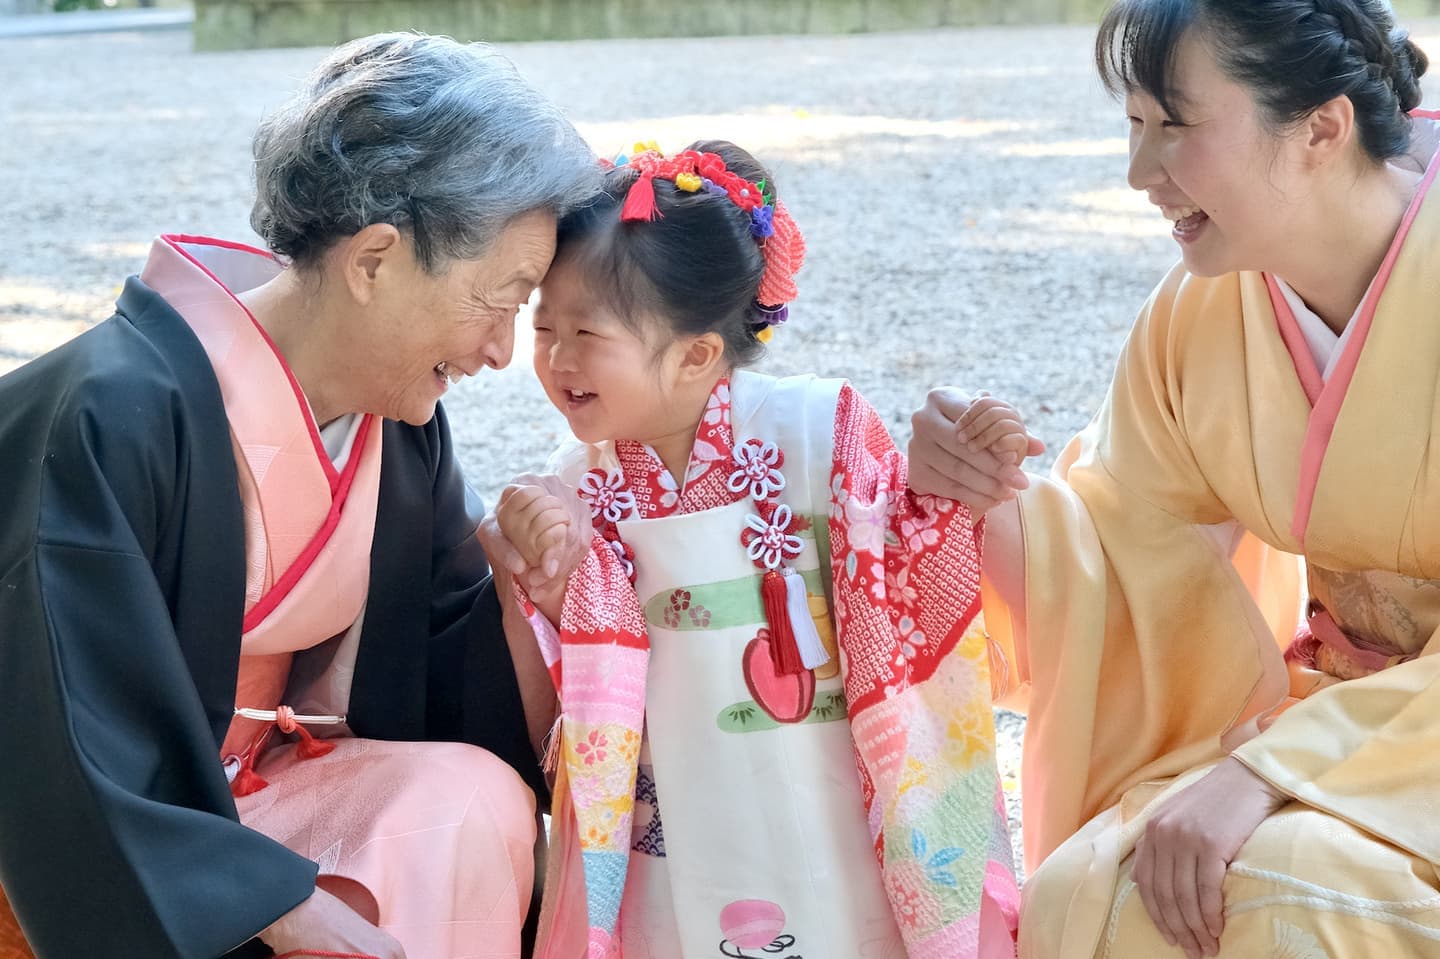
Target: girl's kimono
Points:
(1162, 616)
(181, 539)
(709, 803)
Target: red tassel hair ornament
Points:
(640, 201)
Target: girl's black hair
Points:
(1292, 55)
(696, 266)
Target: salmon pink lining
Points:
(1328, 396)
(174, 240)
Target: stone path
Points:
(963, 193)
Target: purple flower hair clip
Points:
(762, 222)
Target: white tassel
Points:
(807, 639)
(551, 759)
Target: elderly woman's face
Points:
(433, 330)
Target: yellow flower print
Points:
(969, 733)
(914, 775)
(972, 645)
(629, 746)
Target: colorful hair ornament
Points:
(784, 252)
(762, 222)
(640, 201)
(780, 241)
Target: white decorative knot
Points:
(758, 469)
(618, 548)
(772, 544)
(606, 495)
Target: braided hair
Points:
(1292, 55)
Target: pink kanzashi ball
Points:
(752, 923)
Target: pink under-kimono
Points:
(432, 842)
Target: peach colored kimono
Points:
(1154, 647)
(433, 842)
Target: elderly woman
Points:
(255, 681)
(1198, 777)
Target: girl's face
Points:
(610, 382)
(1228, 184)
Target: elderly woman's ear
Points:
(362, 257)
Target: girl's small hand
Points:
(536, 524)
(942, 464)
(1181, 859)
(994, 425)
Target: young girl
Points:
(764, 611)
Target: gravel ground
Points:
(962, 193)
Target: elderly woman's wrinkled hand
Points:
(1181, 859)
(325, 925)
(969, 448)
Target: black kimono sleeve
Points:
(433, 632)
(118, 835)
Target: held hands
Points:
(538, 532)
(536, 523)
(324, 922)
(969, 449)
(1181, 859)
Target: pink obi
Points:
(1321, 644)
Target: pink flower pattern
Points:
(593, 747)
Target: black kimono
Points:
(122, 586)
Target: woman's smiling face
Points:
(1224, 179)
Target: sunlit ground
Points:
(962, 192)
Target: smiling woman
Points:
(260, 693)
(1204, 773)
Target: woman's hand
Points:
(1181, 859)
(969, 449)
(324, 923)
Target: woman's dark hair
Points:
(1292, 55)
(697, 265)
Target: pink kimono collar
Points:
(308, 527)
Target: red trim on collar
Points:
(306, 559)
(1326, 408)
(176, 242)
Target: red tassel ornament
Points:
(246, 781)
(783, 651)
(640, 201)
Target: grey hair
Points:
(443, 140)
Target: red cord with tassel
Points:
(784, 653)
(309, 747)
(247, 780)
